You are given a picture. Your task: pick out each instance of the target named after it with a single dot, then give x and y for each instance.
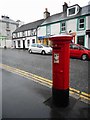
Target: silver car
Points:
(39, 48)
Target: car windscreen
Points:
(45, 45)
(85, 48)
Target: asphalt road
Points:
(41, 65)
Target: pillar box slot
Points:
(60, 69)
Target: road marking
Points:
(43, 81)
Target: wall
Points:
(55, 29)
(71, 25)
(42, 31)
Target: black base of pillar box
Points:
(60, 98)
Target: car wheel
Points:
(84, 57)
(30, 51)
(43, 52)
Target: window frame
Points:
(70, 11)
(76, 10)
(61, 27)
(48, 30)
(83, 23)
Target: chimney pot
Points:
(65, 6)
(46, 13)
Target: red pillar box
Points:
(60, 69)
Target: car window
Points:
(73, 46)
(39, 46)
(33, 45)
(45, 45)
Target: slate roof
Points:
(29, 26)
(53, 18)
(63, 15)
(7, 19)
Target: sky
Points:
(32, 10)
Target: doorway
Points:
(80, 40)
(23, 44)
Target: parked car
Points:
(39, 48)
(79, 51)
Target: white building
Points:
(7, 26)
(26, 34)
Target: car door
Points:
(39, 48)
(33, 47)
(74, 51)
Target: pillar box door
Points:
(60, 69)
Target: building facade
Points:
(74, 20)
(7, 27)
(26, 34)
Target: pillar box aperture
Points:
(60, 69)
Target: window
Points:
(33, 40)
(34, 45)
(31, 32)
(18, 43)
(14, 35)
(48, 30)
(63, 26)
(34, 32)
(39, 46)
(8, 33)
(18, 34)
(80, 40)
(28, 33)
(81, 23)
(71, 11)
(73, 46)
(25, 33)
(7, 25)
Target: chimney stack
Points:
(65, 6)
(46, 13)
(5, 17)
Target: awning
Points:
(87, 32)
(42, 37)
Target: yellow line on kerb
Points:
(42, 80)
(27, 75)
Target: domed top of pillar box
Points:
(61, 38)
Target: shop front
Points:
(44, 40)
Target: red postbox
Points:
(60, 69)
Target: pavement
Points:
(28, 99)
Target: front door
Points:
(23, 44)
(80, 40)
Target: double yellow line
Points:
(28, 75)
(44, 81)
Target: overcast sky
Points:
(32, 10)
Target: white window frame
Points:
(63, 27)
(76, 10)
(81, 24)
(48, 30)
